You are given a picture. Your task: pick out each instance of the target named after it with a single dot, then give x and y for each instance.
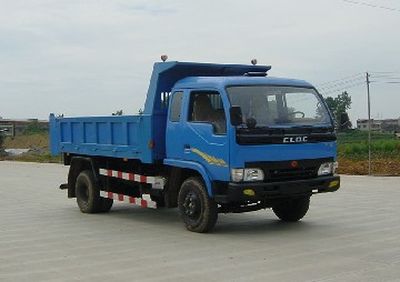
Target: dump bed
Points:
(111, 136)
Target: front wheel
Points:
(293, 209)
(198, 211)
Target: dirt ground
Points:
(390, 167)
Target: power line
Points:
(385, 72)
(342, 88)
(362, 3)
(385, 77)
(340, 84)
(340, 79)
(388, 82)
(389, 78)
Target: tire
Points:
(87, 193)
(292, 210)
(106, 204)
(198, 211)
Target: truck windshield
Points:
(274, 106)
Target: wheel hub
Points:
(191, 205)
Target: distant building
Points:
(14, 127)
(386, 125)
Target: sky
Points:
(94, 57)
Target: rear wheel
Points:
(293, 209)
(198, 211)
(106, 204)
(88, 194)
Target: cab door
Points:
(204, 133)
(174, 143)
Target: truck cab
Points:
(254, 137)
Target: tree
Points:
(34, 127)
(339, 107)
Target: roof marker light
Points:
(164, 58)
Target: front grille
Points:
(290, 174)
(284, 170)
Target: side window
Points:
(175, 113)
(164, 99)
(206, 106)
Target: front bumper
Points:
(241, 192)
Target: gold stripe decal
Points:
(209, 159)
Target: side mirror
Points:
(236, 115)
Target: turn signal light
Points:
(334, 183)
(249, 192)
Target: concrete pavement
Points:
(350, 235)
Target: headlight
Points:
(247, 174)
(253, 174)
(327, 168)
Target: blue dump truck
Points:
(212, 138)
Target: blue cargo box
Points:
(111, 136)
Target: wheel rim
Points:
(192, 206)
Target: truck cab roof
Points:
(196, 82)
(168, 75)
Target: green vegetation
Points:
(35, 157)
(1, 144)
(33, 141)
(34, 128)
(37, 142)
(354, 145)
(339, 107)
(356, 136)
(1, 140)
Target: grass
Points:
(34, 141)
(354, 145)
(38, 142)
(34, 157)
(357, 136)
(379, 149)
(353, 153)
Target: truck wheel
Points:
(106, 204)
(87, 193)
(198, 211)
(293, 209)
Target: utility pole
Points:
(369, 122)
